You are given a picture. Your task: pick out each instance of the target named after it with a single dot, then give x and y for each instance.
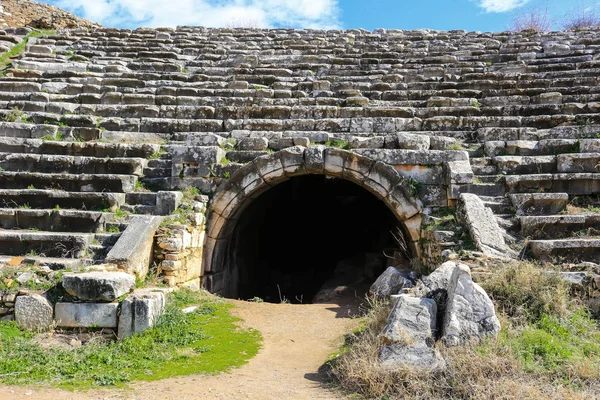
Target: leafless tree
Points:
(247, 23)
(584, 15)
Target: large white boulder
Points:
(410, 333)
(33, 312)
(470, 313)
(390, 282)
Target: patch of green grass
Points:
(154, 156)
(15, 115)
(181, 216)
(454, 146)
(553, 342)
(141, 187)
(413, 186)
(338, 143)
(18, 49)
(120, 214)
(206, 341)
(113, 229)
(189, 193)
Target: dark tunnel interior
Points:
(309, 235)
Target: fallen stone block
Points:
(98, 286)
(33, 312)
(390, 282)
(470, 313)
(483, 227)
(409, 334)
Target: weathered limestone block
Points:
(253, 143)
(483, 226)
(549, 98)
(39, 49)
(270, 168)
(167, 202)
(139, 312)
(589, 145)
(314, 159)
(410, 141)
(357, 101)
(390, 282)
(539, 203)
(374, 142)
(413, 157)
(458, 172)
(470, 313)
(86, 315)
(238, 85)
(580, 162)
(98, 286)
(33, 312)
(201, 157)
(203, 139)
(438, 279)
(575, 249)
(409, 334)
(441, 142)
(133, 251)
(181, 250)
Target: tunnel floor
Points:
(304, 238)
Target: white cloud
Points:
(500, 6)
(211, 13)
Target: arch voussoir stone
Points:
(314, 159)
(401, 203)
(357, 167)
(270, 169)
(334, 160)
(292, 160)
(382, 178)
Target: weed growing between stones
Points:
(549, 347)
(206, 340)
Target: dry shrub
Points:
(526, 290)
(582, 16)
(533, 18)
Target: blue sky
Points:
(481, 15)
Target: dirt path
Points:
(297, 340)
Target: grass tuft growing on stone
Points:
(549, 347)
(205, 341)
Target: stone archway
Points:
(253, 179)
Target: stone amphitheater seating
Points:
(511, 117)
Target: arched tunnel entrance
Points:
(310, 235)
(292, 223)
